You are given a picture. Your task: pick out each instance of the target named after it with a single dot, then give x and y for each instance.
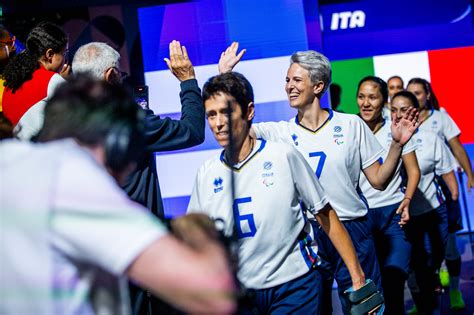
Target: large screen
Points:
(270, 30)
(429, 39)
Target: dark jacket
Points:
(166, 135)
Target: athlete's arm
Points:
(194, 276)
(341, 240)
(413, 173)
(380, 176)
(461, 155)
(451, 182)
(168, 134)
(230, 58)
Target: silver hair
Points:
(95, 58)
(317, 64)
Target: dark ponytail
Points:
(42, 37)
(432, 102)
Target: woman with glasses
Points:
(32, 76)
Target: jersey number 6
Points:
(240, 219)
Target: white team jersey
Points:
(442, 124)
(275, 239)
(337, 152)
(434, 159)
(72, 232)
(393, 193)
(386, 113)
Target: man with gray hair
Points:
(102, 61)
(99, 60)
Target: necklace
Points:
(229, 158)
(252, 142)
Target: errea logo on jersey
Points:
(218, 184)
(347, 19)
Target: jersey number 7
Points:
(322, 159)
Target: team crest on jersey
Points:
(218, 184)
(337, 136)
(294, 137)
(267, 175)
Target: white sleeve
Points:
(443, 157)
(369, 148)
(94, 221)
(55, 81)
(195, 200)
(410, 146)
(272, 131)
(310, 190)
(450, 129)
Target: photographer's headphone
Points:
(124, 144)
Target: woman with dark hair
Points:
(388, 209)
(7, 51)
(439, 121)
(428, 210)
(32, 76)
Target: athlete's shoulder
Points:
(210, 164)
(345, 117)
(345, 121)
(273, 146)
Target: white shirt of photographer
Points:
(68, 232)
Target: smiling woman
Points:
(371, 96)
(388, 209)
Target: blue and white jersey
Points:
(393, 193)
(275, 239)
(337, 152)
(442, 124)
(434, 159)
(386, 113)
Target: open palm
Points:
(404, 128)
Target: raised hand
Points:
(65, 71)
(229, 58)
(403, 129)
(179, 63)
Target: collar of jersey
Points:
(247, 160)
(431, 114)
(383, 124)
(331, 114)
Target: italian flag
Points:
(450, 72)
